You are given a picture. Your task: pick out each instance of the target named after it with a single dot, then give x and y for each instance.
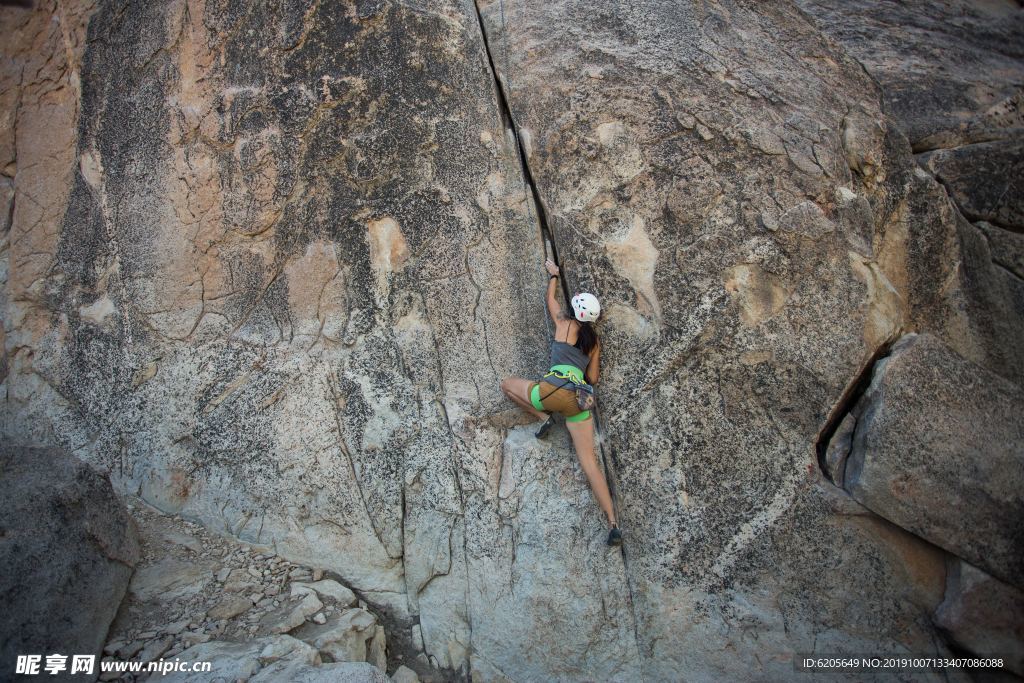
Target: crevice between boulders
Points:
(961, 612)
(936, 143)
(842, 421)
(547, 233)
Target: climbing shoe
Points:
(615, 536)
(543, 431)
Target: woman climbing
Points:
(576, 356)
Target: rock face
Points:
(67, 548)
(950, 70)
(984, 180)
(273, 261)
(271, 659)
(192, 588)
(950, 73)
(938, 448)
(759, 231)
(984, 615)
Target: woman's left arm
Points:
(593, 369)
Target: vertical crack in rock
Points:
(611, 475)
(842, 422)
(551, 243)
(9, 218)
(547, 235)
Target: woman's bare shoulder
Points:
(564, 321)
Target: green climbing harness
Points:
(569, 372)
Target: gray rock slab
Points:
(272, 262)
(420, 228)
(233, 661)
(950, 71)
(170, 578)
(344, 638)
(986, 180)
(756, 227)
(341, 672)
(939, 450)
(983, 615)
(404, 674)
(67, 550)
(230, 607)
(329, 588)
(291, 614)
(1007, 248)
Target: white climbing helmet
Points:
(586, 307)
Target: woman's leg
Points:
(518, 389)
(583, 439)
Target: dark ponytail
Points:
(587, 338)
